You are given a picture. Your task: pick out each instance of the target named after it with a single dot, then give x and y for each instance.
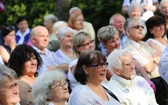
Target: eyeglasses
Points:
(91, 42)
(99, 66)
(9, 28)
(60, 85)
(137, 27)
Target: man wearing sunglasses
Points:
(146, 56)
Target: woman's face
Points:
(9, 92)
(135, 13)
(59, 91)
(96, 72)
(158, 31)
(128, 67)
(79, 22)
(30, 66)
(112, 43)
(87, 45)
(66, 41)
(10, 37)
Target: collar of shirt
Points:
(123, 80)
(22, 35)
(39, 51)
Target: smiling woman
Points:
(51, 91)
(90, 74)
(25, 61)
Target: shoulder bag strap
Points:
(111, 94)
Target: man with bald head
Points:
(40, 38)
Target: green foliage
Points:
(34, 10)
(98, 12)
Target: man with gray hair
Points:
(146, 56)
(117, 20)
(49, 21)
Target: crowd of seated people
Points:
(57, 64)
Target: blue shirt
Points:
(163, 65)
(48, 59)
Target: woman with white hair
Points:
(51, 88)
(65, 52)
(128, 87)
(9, 90)
(163, 7)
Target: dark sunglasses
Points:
(137, 27)
(99, 66)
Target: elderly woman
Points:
(25, 61)
(156, 31)
(164, 10)
(76, 21)
(54, 45)
(51, 88)
(8, 42)
(80, 42)
(135, 11)
(129, 88)
(90, 74)
(9, 91)
(109, 37)
(65, 53)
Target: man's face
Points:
(119, 22)
(134, 31)
(41, 39)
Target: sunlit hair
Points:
(57, 25)
(63, 31)
(20, 55)
(111, 21)
(161, 5)
(133, 6)
(106, 33)
(78, 39)
(74, 9)
(72, 19)
(86, 58)
(41, 88)
(114, 59)
(6, 72)
(51, 17)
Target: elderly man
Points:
(40, 40)
(147, 58)
(127, 86)
(118, 21)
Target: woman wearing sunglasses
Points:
(8, 42)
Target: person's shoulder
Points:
(87, 23)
